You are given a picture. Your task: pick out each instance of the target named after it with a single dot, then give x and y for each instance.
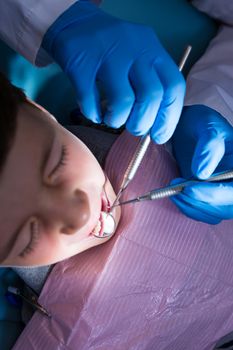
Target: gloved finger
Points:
(148, 95)
(172, 102)
(86, 91)
(215, 194)
(192, 211)
(177, 180)
(208, 153)
(220, 210)
(118, 92)
(190, 207)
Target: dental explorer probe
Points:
(142, 147)
(172, 190)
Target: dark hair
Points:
(11, 98)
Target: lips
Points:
(105, 204)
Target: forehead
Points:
(21, 175)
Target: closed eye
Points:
(34, 232)
(34, 225)
(62, 161)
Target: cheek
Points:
(59, 247)
(82, 162)
(47, 251)
(57, 243)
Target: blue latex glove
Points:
(141, 83)
(203, 144)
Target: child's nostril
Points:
(81, 195)
(68, 230)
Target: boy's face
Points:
(52, 190)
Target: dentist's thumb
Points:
(210, 149)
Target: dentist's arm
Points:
(23, 24)
(142, 85)
(219, 10)
(203, 141)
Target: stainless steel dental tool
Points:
(30, 297)
(142, 147)
(172, 190)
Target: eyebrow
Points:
(44, 159)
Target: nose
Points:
(68, 211)
(78, 215)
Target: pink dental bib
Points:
(162, 282)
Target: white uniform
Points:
(23, 24)
(210, 81)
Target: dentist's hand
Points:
(142, 85)
(203, 144)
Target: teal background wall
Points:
(176, 22)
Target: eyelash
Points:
(34, 227)
(62, 160)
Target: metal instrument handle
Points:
(175, 189)
(145, 140)
(141, 147)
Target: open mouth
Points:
(106, 224)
